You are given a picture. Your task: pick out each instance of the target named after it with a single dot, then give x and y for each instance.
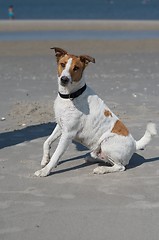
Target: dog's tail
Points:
(150, 132)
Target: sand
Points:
(72, 203)
(46, 25)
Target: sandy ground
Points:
(36, 25)
(72, 203)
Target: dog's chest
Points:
(67, 115)
(87, 116)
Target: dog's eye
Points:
(63, 65)
(75, 68)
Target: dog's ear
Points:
(87, 59)
(59, 52)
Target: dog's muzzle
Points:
(64, 80)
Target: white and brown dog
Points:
(82, 116)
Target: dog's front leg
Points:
(65, 139)
(47, 144)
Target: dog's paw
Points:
(105, 169)
(99, 170)
(42, 173)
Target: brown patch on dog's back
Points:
(120, 129)
(107, 113)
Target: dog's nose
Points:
(64, 80)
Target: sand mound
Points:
(30, 113)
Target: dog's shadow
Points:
(138, 160)
(72, 168)
(29, 133)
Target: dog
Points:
(83, 117)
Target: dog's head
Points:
(70, 67)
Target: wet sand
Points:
(72, 203)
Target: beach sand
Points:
(46, 25)
(72, 203)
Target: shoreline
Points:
(46, 25)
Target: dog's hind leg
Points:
(116, 167)
(105, 169)
(47, 145)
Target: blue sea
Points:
(82, 9)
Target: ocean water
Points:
(81, 9)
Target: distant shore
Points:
(45, 25)
(89, 45)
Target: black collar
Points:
(73, 95)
